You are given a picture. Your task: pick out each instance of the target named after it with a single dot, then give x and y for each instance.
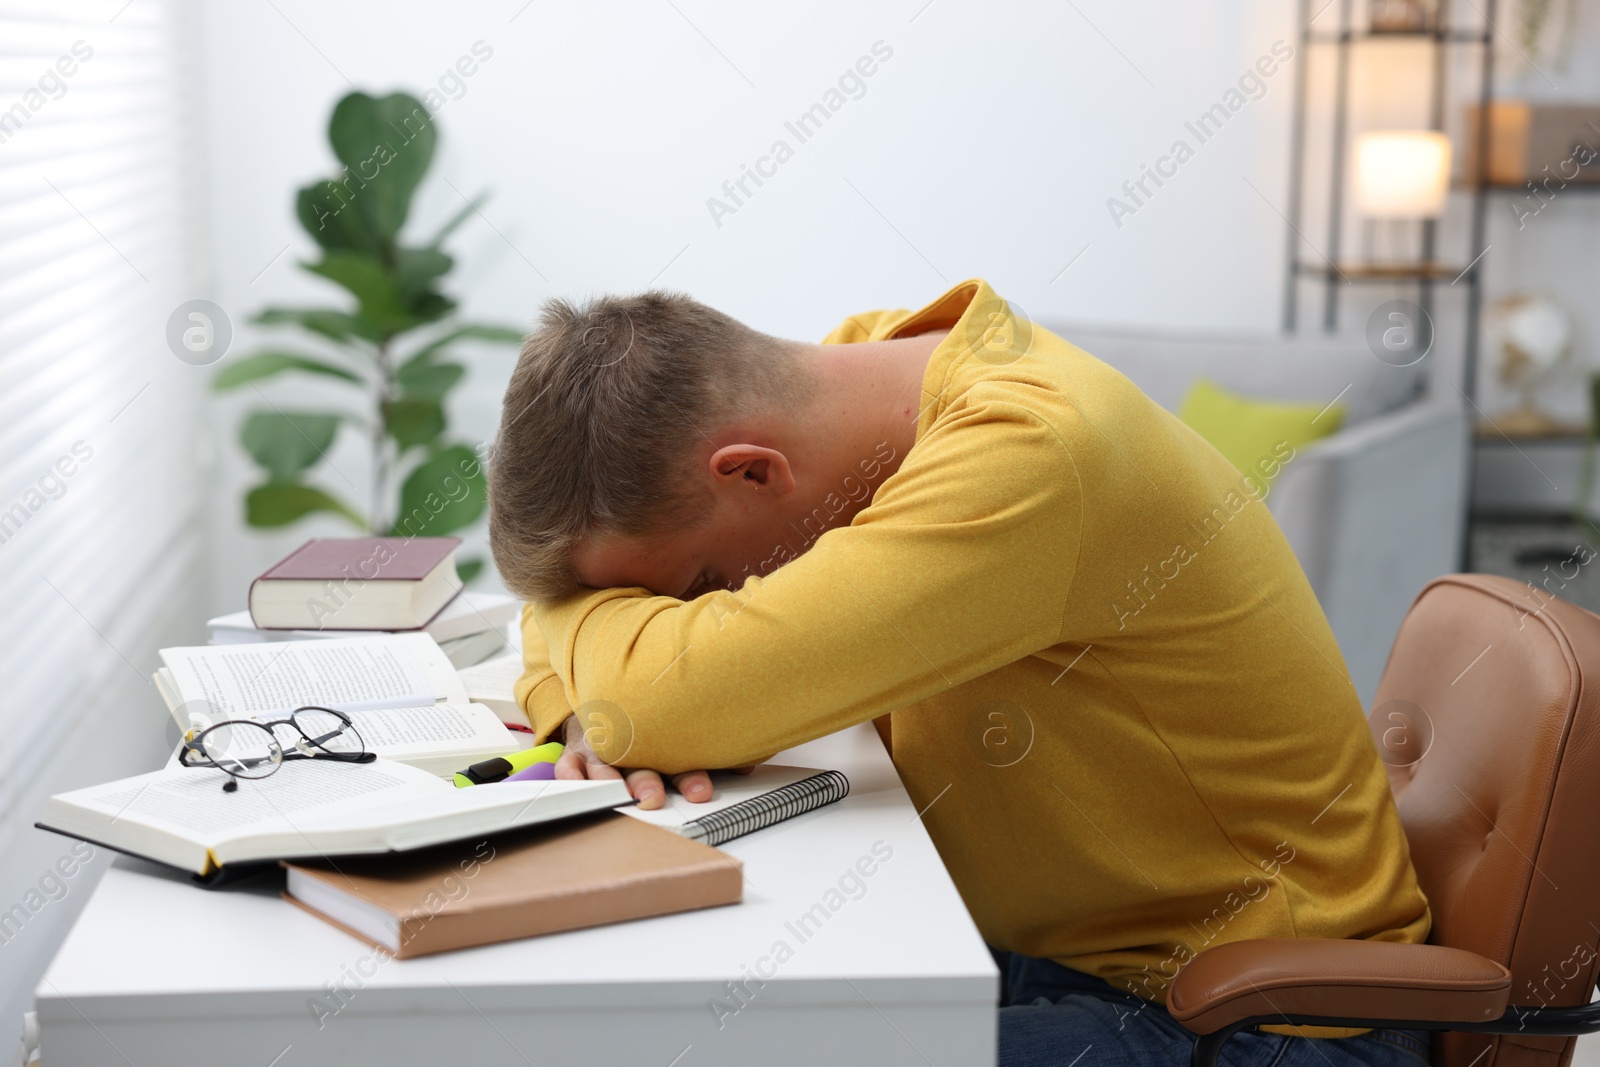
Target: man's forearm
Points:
(540, 691)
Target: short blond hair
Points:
(606, 407)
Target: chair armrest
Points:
(1336, 979)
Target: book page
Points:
(413, 821)
(190, 801)
(308, 808)
(429, 726)
(253, 681)
(406, 733)
(493, 678)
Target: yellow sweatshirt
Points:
(1113, 690)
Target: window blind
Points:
(99, 484)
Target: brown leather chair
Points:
(1488, 717)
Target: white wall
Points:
(986, 145)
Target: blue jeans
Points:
(1052, 1015)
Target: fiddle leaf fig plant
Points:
(389, 344)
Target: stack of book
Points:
(348, 596)
(347, 586)
(366, 626)
(544, 856)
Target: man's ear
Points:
(752, 467)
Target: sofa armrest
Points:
(1336, 979)
(1422, 445)
(1373, 514)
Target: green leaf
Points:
(270, 362)
(280, 503)
(286, 443)
(323, 209)
(374, 287)
(468, 569)
(413, 420)
(429, 379)
(386, 144)
(417, 268)
(473, 331)
(458, 218)
(431, 307)
(337, 326)
(445, 493)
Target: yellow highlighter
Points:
(502, 767)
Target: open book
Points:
(308, 809)
(399, 689)
(492, 683)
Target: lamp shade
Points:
(1402, 174)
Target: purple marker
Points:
(539, 772)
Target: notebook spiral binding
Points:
(768, 809)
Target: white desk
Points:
(159, 972)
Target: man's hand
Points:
(578, 762)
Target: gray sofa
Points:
(1374, 511)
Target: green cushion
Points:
(1257, 436)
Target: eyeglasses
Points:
(246, 748)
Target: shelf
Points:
(1558, 434)
(1591, 186)
(1386, 272)
(1506, 516)
(1447, 36)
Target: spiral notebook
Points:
(743, 804)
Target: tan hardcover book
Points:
(603, 869)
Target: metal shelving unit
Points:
(1427, 272)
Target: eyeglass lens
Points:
(243, 749)
(323, 730)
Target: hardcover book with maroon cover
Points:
(357, 583)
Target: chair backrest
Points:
(1488, 717)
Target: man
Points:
(1095, 661)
